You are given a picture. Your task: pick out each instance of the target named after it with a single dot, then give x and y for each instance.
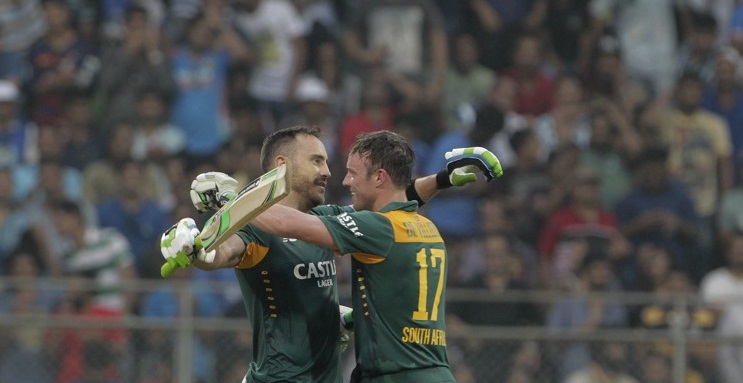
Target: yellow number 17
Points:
(438, 260)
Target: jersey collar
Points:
(404, 206)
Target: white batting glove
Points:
(212, 190)
(180, 245)
(463, 164)
(346, 326)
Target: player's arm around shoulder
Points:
(291, 223)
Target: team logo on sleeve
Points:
(348, 222)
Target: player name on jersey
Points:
(422, 335)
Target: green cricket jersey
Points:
(399, 283)
(290, 293)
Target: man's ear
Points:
(280, 160)
(381, 176)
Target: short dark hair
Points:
(389, 151)
(519, 137)
(276, 143)
(67, 206)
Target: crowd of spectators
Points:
(619, 125)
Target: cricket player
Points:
(288, 283)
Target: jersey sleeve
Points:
(323, 210)
(366, 235)
(257, 243)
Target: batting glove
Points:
(212, 190)
(180, 245)
(463, 164)
(346, 326)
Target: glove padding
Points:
(180, 245)
(346, 326)
(464, 163)
(212, 190)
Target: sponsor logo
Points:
(348, 222)
(316, 270)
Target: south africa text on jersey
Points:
(322, 271)
(422, 335)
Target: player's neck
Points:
(387, 197)
(294, 201)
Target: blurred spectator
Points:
(730, 214)
(527, 179)
(657, 368)
(154, 137)
(130, 65)
(566, 120)
(561, 167)
(100, 261)
(14, 221)
(659, 210)
(647, 119)
(698, 53)
(665, 314)
(502, 272)
(23, 23)
(503, 95)
(199, 66)
(154, 362)
(60, 60)
(50, 144)
(135, 216)
(377, 113)
(613, 144)
(313, 97)
(17, 134)
(102, 178)
(736, 28)
(646, 30)
(725, 98)
(722, 288)
(496, 23)
(276, 32)
(23, 357)
(699, 155)
(461, 203)
(606, 79)
(101, 255)
(567, 23)
(83, 142)
(581, 228)
(413, 126)
(98, 363)
(467, 81)
(653, 267)
(321, 26)
(586, 311)
(534, 87)
(345, 86)
(165, 303)
(609, 364)
(407, 40)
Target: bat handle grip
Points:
(166, 270)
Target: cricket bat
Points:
(254, 199)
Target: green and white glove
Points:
(463, 164)
(212, 190)
(346, 326)
(180, 245)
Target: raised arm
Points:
(462, 166)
